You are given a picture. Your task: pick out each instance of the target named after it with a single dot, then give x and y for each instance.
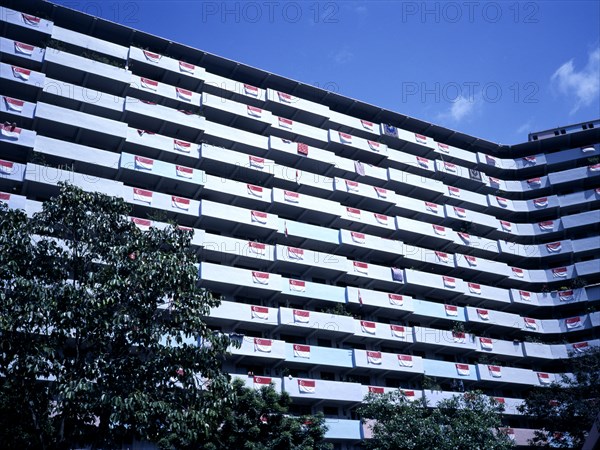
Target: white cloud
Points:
(343, 56)
(461, 108)
(525, 128)
(583, 85)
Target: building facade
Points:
(355, 249)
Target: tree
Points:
(258, 420)
(469, 421)
(100, 328)
(564, 412)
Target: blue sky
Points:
(496, 70)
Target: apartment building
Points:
(355, 249)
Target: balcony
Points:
(15, 143)
(316, 324)
(363, 195)
(22, 82)
(309, 263)
(11, 174)
(236, 193)
(312, 357)
(231, 315)
(440, 286)
(298, 233)
(579, 220)
(297, 131)
(362, 245)
(451, 341)
(235, 165)
(356, 148)
(352, 125)
(231, 251)
(374, 276)
(298, 109)
(305, 207)
(333, 391)
(236, 115)
(371, 332)
(88, 42)
(16, 20)
(454, 153)
(501, 349)
(258, 350)
(445, 369)
(21, 53)
(415, 186)
(421, 234)
(499, 374)
(13, 201)
(235, 139)
(235, 281)
(489, 317)
(183, 210)
(344, 430)
(233, 220)
(300, 155)
(429, 312)
(398, 363)
(164, 94)
(305, 293)
(396, 304)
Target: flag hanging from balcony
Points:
(432, 207)
(351, 186)
(258, 248)
(261, 381)
(453, 191)
(458, 337)
(30, 20)
(297, 285)
(530, 159)
(495, 371)
(295, 253)
(253, 111)
(460, 212)
(573, 322)
(361, 267)
(184, 172)
(368, 327)
(142, 224)
(259, 312)
(494, 182)
(594, 167)
(180, 203)
(405, 360)
(260, 277)
(359, 295)
(463, 369)
(285, 123)
(560, 272)
(566, 296)
(301, 351)
(381, 192)
(147, 83)
(374, 146)
(483, 314)
(554, 247)
(369, 126)
(396, 299)
(291, 197)
(301, 316)
(307, 386)
(530, 324)
(20, 73)
(376, 390)
(449, 282)
(441, 257)
(359, 168)
(152, 57)
(449, 167)
(544, 378)
(374, 357)
(258, 216)
(255, 191)
(420, 139)
(345, 138)
(486, 343)
(581, 347)
(525, 296)
(285, 98)
(24, 49)
(141, 195)
(256, 162)
(182, 146)
(588, 149)
(381, 218)
(475, 288)
(466, 237)
(263, 345)
(547, 225)
(302, 148)
(397, 274)
(502, 202)
(398, 331)
(359, 238)
(423, 162)
(443, 147)
(534, 182)
(250, 90)
(506, 226)
(541, 202)
(353, 213)
(520, 273)
(187, 67)
(439, 230)
(12, 104)
(451, 310)
(184, 94)
(143, 163)
(472, 260)
(490, 160)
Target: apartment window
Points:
(330, 411)
(290, 338)
(324, 343)
(329, 376)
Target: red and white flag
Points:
(466, 237)
(187, 67)
(368, 327)
(459, 337)
(24, 49)
(483, 314)
(30, 20)
(439, 230)
(360, 267)
(560, 272)
(260, 277)
(530, 159)
(307, 386)
(529, 323)
(301, 351)
(12, 104)
(506, 226)
(297, 285)
(301, 316)
(259, 312)
(351, 186)
(152, 57)
(588, 149)
(374, 357)
(486, 343)
(359, 238)
(250, 90)
(285, 123)
(541, 202)
(381, 218)
(441, 257)
(451, 310)
(449, 282)
(8, 132)
(291, 197)
(302, 148)
(285, 98)
(182, 146)
(369, 126)
(263, 345)
(345, 138)
(142, 195)
(581, 347)
(396, 299)
(475, 288)
(353, 213)
(423, 162)
(256, 162)
(573, 322)
(449, 167)
(253, 111)
(460, 212)
(295, 253)
(143, 163)
(495, 371)
(432, 207)
(544, 378)
(20, 73)
(494, 181)
(398, 331)
(502, 202)
(255, 191)
(520, 273)
(443, 147)
(258, 216)
(554, 247)
(375, 146)
(490, 160)
(258, 248)
(142, 224)
(547, 225)
(525, 296)
(184, 172)
(534, 182)
(381, 192)
(184, 94)
(566, 296)
(180, 203)
(453, 191)
(262, 381)
(594, 167)
(405, 360)
(463, 369)
(420, 139)
(147, 83)
(6, 167)
(472, 260)
(376, 390)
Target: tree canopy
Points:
(101, 324)
(469, 421)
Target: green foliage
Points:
(100, 326)
(469, 421)
(258, 420)
(564, 412)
